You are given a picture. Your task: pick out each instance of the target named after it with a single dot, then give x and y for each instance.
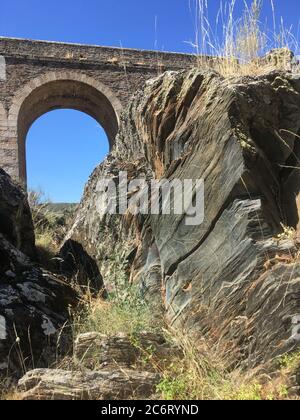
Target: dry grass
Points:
(50, 227)
(124, 311)
(198, 374)
(240, 42)
(201, 375)
(110, 318)
(8, 392)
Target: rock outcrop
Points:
(280, 59)
(231, 279)
(34, 304)
(113, 367)
(15, 216)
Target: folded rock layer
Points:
(229, 278)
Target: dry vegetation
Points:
(201, 373)
(50, 225)
(241, 42)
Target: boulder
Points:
(53, 384)
(144, 350)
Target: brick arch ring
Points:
(57, 90)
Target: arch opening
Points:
(60, 91)
(62, 149)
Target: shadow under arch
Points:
(63, 90)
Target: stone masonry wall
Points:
(122, 70)
(114, 74)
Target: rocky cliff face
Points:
(34, 304)
(15, 216)
(231, 279)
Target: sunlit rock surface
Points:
(229, 279)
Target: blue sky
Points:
(130, 23)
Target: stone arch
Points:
(56, 90)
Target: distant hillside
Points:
(62, 207)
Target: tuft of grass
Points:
(242, 42)
(9, 395)
(110, 318)
(201, 375)
(8, 389)
(125, 310)
(198, 375)
(46, 246)
(288, 232)
(290, 362)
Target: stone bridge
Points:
(43, 76)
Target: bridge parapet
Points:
(92, 54)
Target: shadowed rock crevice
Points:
(80, 268)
